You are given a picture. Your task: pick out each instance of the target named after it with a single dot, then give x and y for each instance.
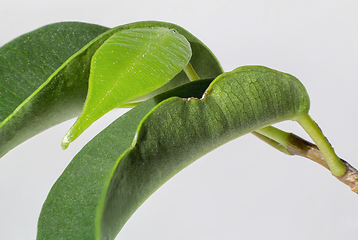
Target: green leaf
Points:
(28, 107)
(44, 81)
(123, 165)
(130, 64)
(89, 172)
(203, 60)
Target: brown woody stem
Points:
(301, 147)
(294, 145)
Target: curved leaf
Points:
(27, 61)
(87, 174)
(121, 167)
(40, 92)
(130, 64)
(27, 107)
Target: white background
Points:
(245, 189)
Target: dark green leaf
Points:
(28, 103)
(120, 168)
(27, 61)
(76, 195)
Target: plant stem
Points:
(293, 145)
(336, 166)
(190, 72)
(301, 147)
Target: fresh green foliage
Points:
(96, 69)
(54, 77)
(130, 64)
(151, 148)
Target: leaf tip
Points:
(65, 142)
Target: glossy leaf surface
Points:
(130, 64)
(119, 169)
(46, 80)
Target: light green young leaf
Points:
(121, 167)
(130, 64)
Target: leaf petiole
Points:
(274, 137)
(280, 140)
(336, 166)
(190, 72)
